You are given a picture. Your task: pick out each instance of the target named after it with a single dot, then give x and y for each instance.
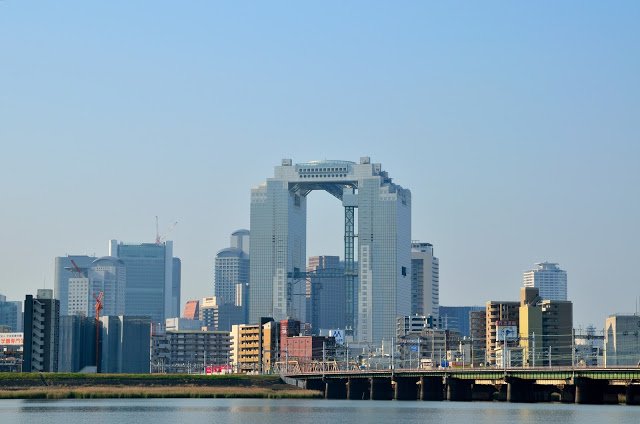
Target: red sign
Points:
(11, 339)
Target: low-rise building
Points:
(254, 347)
(622, 340)
(190, 351)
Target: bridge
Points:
(558, 384)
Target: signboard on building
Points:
(338, 335)
(11, 339)
(506, 330)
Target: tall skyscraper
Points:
(279, 237)
(425, 280)
(65, 268)
(327, 293)
(549, 279)
(41, 324)
(106, 275)
(153, 286)
(231, 268)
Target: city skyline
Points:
(515, 129)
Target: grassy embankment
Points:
(93, 386)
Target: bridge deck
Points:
(557, 373)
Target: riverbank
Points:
(109, 386)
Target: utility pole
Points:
(573, 347)
(324, 358)
(347, 354)
(504, 350)
(392, 357)
(533, 341)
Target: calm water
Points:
(291, 411)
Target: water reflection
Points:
(289, 411)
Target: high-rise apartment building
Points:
(254, 347)
(549, 279)
(500, 315)
(279, 237)
(425, 280)
(153, 279)
(232, 268)
(41, 324)
(327, 293)
(622, 340)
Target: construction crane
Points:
(98, 308)
(161, 238)
(76, 268)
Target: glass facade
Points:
(151, 284)
(278, 242)
(549, 279)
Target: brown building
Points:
(305, 349)
(478, 330)
(499, 313)
(191, 310)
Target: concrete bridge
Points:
(566, 384)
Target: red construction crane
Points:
(77, 269)
(98, 308)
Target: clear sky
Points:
(516, 125)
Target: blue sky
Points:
(515, 125)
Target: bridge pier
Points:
(358, 388)
(459, 390)
(406, 388)
(632, 394)
(335, 389)
(431, 388)
(314, 384)
(589, 391)
(380, 388)
(519, 390)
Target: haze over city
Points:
(515, 126)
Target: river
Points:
(293, 411)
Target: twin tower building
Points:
(377, 244)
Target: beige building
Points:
(622, 340)
(252, 342)
(545, 329)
